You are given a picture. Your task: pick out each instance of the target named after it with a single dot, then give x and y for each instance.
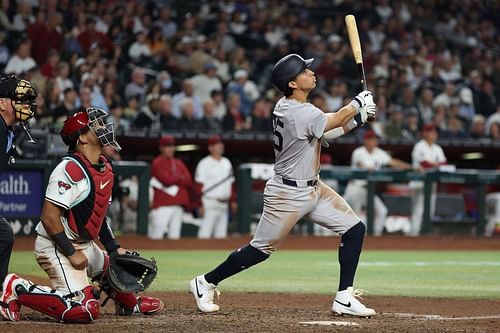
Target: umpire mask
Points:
(102, 130)
(22, 95)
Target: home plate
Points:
(329, 323)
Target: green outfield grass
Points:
(471, 274)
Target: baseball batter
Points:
(73, 217)
(296, 191)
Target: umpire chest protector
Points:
(86, 217)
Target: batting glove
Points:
(363, 98)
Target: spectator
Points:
(394, 128)
(131, 110)
(454, 129)
(148, 118)
(21, 61)
(137, 87)
(167, 120)
(220, 61)
(49, 69)
(234, 120)
(467, 110)
(170, 180)
(220, 107)
(410, 127)
(424, 105)
(90, 36)
(23, 16)
(120, 124)
(486, 99)
(166, 23)
(139, 51)
(67, 107)
(244, 87)
(201, 54)
(187, 122)
(335, 96)
(215, 173)
(426, 155)
(209, 122)
(204, 84)
(478, 127)
(187, 93)
(4, 51)
(45, 34)
(62, 79)
(261, 116)
(492, 123)
(447, 97)
(370, 157)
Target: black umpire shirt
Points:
(4, 155)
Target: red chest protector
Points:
(86, 217)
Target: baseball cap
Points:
(167, 140)
(213, 140)
(369, 134)
(428, 127)
(209, 66)
(240, 73)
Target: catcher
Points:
(72, 218)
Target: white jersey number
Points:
(277, 123)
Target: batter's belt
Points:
(297, 183)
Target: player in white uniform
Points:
(426, 154)
(370, 157)
(73, 217)
(296, 191)
(215, 173)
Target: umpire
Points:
(17, 105)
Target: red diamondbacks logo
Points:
(63, 187)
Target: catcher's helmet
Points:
(91, 119)
(288, 68)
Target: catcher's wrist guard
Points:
(63, 243)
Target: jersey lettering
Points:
(277, 123)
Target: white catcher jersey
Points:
(63, 192)
(297, 130)
(362, 158)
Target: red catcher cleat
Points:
(149, 305)
(10, 307)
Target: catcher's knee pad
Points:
(80, 307)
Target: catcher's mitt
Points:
(130, 272)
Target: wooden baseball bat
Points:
(352, 31)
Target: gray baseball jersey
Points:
(297, 128)
(288, 196)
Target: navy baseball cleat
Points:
(346, 302)
(204, 293)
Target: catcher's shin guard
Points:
(80, 307)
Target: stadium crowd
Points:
(205, 65)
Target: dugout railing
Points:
(38, 171)
(248, 173)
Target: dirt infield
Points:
(284, 313)
(258, 312)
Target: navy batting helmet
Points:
(287, 68)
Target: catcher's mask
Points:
(22, 95)
(92, 119)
